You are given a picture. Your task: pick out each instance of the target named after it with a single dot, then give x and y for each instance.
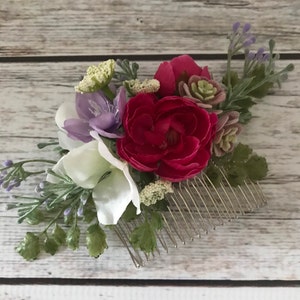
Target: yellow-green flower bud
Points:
(135, 86)
(155, 191)
(97, 77)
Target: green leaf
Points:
(51, 245)
(69, 219)
(256, 167)
(259, 75)
(89, 211)
(73, 235)
(213, 174)
(234, 79)
(156, 220)
(59, 235)
(161, 205)
(236, 175)
(130, 213)
(241, 153)
(35, 217)
(29, 248)
(143, 238)
(245, 116)
(142, 178)
(95, 240)
(245, 102)
(241, 87)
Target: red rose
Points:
(180, 68)
(171, 137)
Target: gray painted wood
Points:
(259, 246)
(41, 28)
(161, 292)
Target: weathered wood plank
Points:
(244, 249)
(148, 292)
(39, 28)
(263, 246)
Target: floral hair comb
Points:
(156, 161)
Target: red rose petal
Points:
(185, 63)
(171, 136)
(165, 76)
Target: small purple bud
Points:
(246, 27)
(236, 26)
(259, 53)
(12, 184)
(42, 185)
(83, 198)
(249, 41)
(10, 187)
(1, 180)
(3, 173)
(67, 211)
(5, 184)
(266, 57)
(17, 184)
(80, 211)
(7, 163)
(37, 189)
(250, 55)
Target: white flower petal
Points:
(66, 142)
(135, 196)
(104, 152)
(85, 166)
(111, 196)
(59, 170)
(66, 111)
(123, 166)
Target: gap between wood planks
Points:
(150, 282)
(154, 57)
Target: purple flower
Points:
(236, 26)
(246, 27)
(96, 112)
(7, 163)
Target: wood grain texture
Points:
(260, 246)
(41, 28)
(28, 292)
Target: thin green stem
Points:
(108, 93)
(229, 70)
(54, 219)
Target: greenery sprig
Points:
(258, 77)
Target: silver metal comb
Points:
(195, 207)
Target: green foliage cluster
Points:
(238, 166)
(255, 82)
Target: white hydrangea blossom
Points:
(155, 191)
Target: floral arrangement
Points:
(125, 143)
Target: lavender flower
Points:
(240, 37)
(246, 27)
(236, 26)
(80, 211)
(96, 112)
(67, 211)
(7, 163)
(249, 41)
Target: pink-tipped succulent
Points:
(205, 92)
(227, 131)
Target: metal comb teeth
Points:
(195, 207)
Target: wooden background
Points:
(45, 46)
